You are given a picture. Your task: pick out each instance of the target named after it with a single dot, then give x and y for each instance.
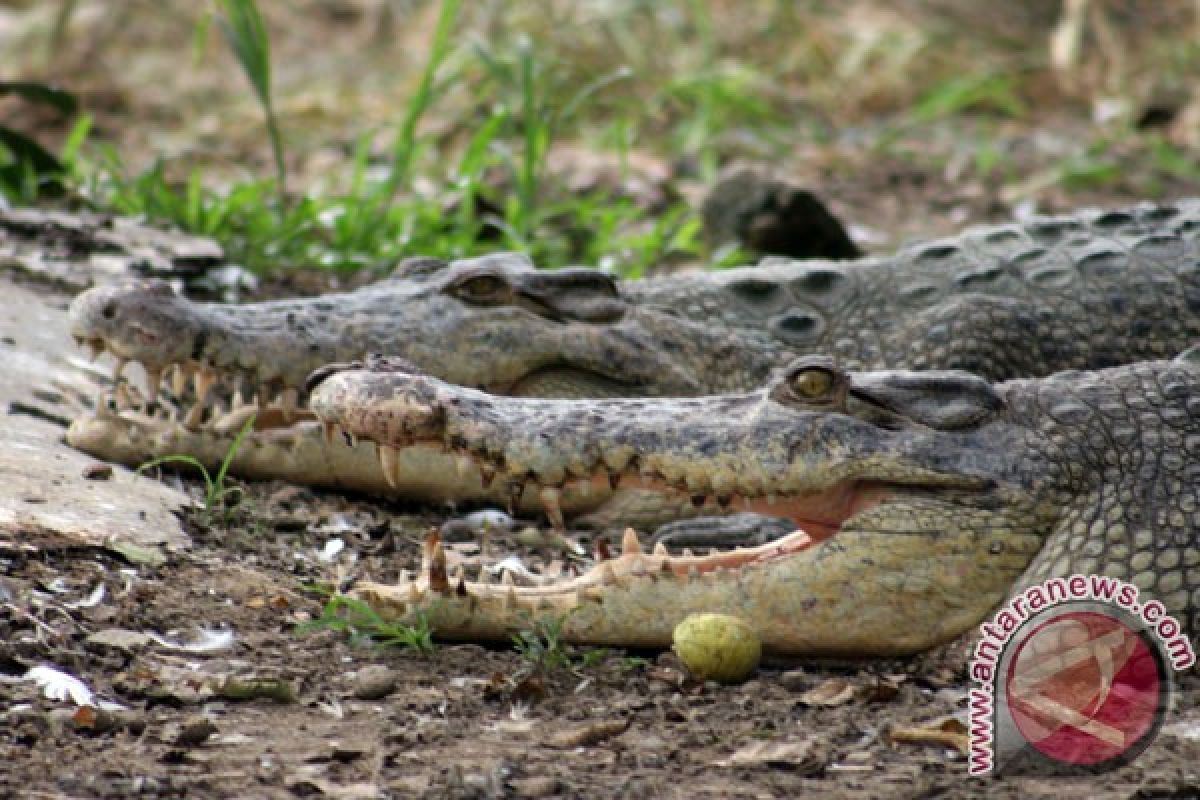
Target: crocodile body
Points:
(1085, 291)
(924, 497)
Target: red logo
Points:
(1084, 688)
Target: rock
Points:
(770, 217)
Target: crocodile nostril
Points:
(109, 311)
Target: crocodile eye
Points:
(813, 383)
(482, 289)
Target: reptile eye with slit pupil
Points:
(812, 384)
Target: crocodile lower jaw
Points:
(869, 596)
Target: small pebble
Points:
(374, 682)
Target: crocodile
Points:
(1087, 290)
(921, 498)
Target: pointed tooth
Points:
(388, 463)
(328, 429)
(487, 473)
(514, 490)
(660, 549)
(238, 400)
(687, 553)
(102, 407)
(153, 379)
(288, 400)
(506, 578)
(122, 398)
(630, 544)
(179, 379)
(203, 382)
(438, 579)
(118, 369)
(462, 465)
(551, 498)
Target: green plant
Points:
(215, 490)
(988, 92)
(404, 148)
(27, 170)
(542, 644)
(356, 618)
(244, 31)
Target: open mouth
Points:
(199, 394)
(632, 562)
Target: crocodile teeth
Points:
(551, 500)
(328, 430)
(118, 369)
(487, 473)
(180, 375)
(660, 549)
(153, 379)
(203, 382)
(462, 465)
(102, 407)
(288, 400)
(388, 463)
(122, 398)
(630, 544)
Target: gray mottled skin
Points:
(1090, 290)
(1078, 472)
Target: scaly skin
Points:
(1084, 291)
(931, 496)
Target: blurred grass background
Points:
(347, 133)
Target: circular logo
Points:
(1084, 688)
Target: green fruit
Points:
(717, 647)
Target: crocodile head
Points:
(924, 497)
(494, 322)
(918, 490)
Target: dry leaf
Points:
(946, 732)
(587, 735)
(833, 692)
(806, 756)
